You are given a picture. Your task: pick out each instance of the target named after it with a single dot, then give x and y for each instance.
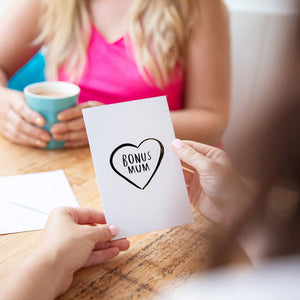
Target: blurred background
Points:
(263, 49)
(3, 6)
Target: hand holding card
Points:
(139, 176)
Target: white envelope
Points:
(139, 176)
(27, 199)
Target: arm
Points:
(18, 29)
(207, 76)
(84, 241)
(218, 192)
(36, 278)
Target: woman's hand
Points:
(215, 188)
(18, 122)
(71, 127)
(76, 238)
(72, 238)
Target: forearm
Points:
(5, 93)
(6, 96)
(201, 125)
(37, 278)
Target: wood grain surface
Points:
(154, 264)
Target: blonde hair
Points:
(158, 30)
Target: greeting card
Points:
(139, 176)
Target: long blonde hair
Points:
(158, 30)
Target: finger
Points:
(97, 257)
(190, 156)
(206, 150)
(71, 136)
(76, 112)
(194, 191)
(122, 244)
(185, 166)
(70, 114)
(63, 127)
(28, 129)
(188, 176)
(76, 144)
(90, 104)
(102, 233)
(21, 108)
(85, 215)
(20, 138)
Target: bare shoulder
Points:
(212, 13)
(211, 7)
(208, 57)
(19, 27)
(212, 20)
(30, 8)
(22, 19)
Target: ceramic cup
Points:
(49, 98)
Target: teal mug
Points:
(49, 98)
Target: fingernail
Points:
(46, 137)
(40, 144)
(53, 130)
(178, 144)
(113, 229)
(39, 121)
(56, 137)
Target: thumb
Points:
(103, 233)
(190, 156)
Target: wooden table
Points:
(154, 263)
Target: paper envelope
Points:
(26, 200)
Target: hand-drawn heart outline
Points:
(162, 150)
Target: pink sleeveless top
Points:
(111, 76)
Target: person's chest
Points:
(110, 17)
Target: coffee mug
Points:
(49, 98)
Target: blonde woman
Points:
(119, 51)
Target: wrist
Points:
(38, 277)
(243, 203)
(49, 266)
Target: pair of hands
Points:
(78, 237)
(18, 123)
(215, 189)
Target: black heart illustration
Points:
(160, 156)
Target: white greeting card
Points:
(139, 176)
